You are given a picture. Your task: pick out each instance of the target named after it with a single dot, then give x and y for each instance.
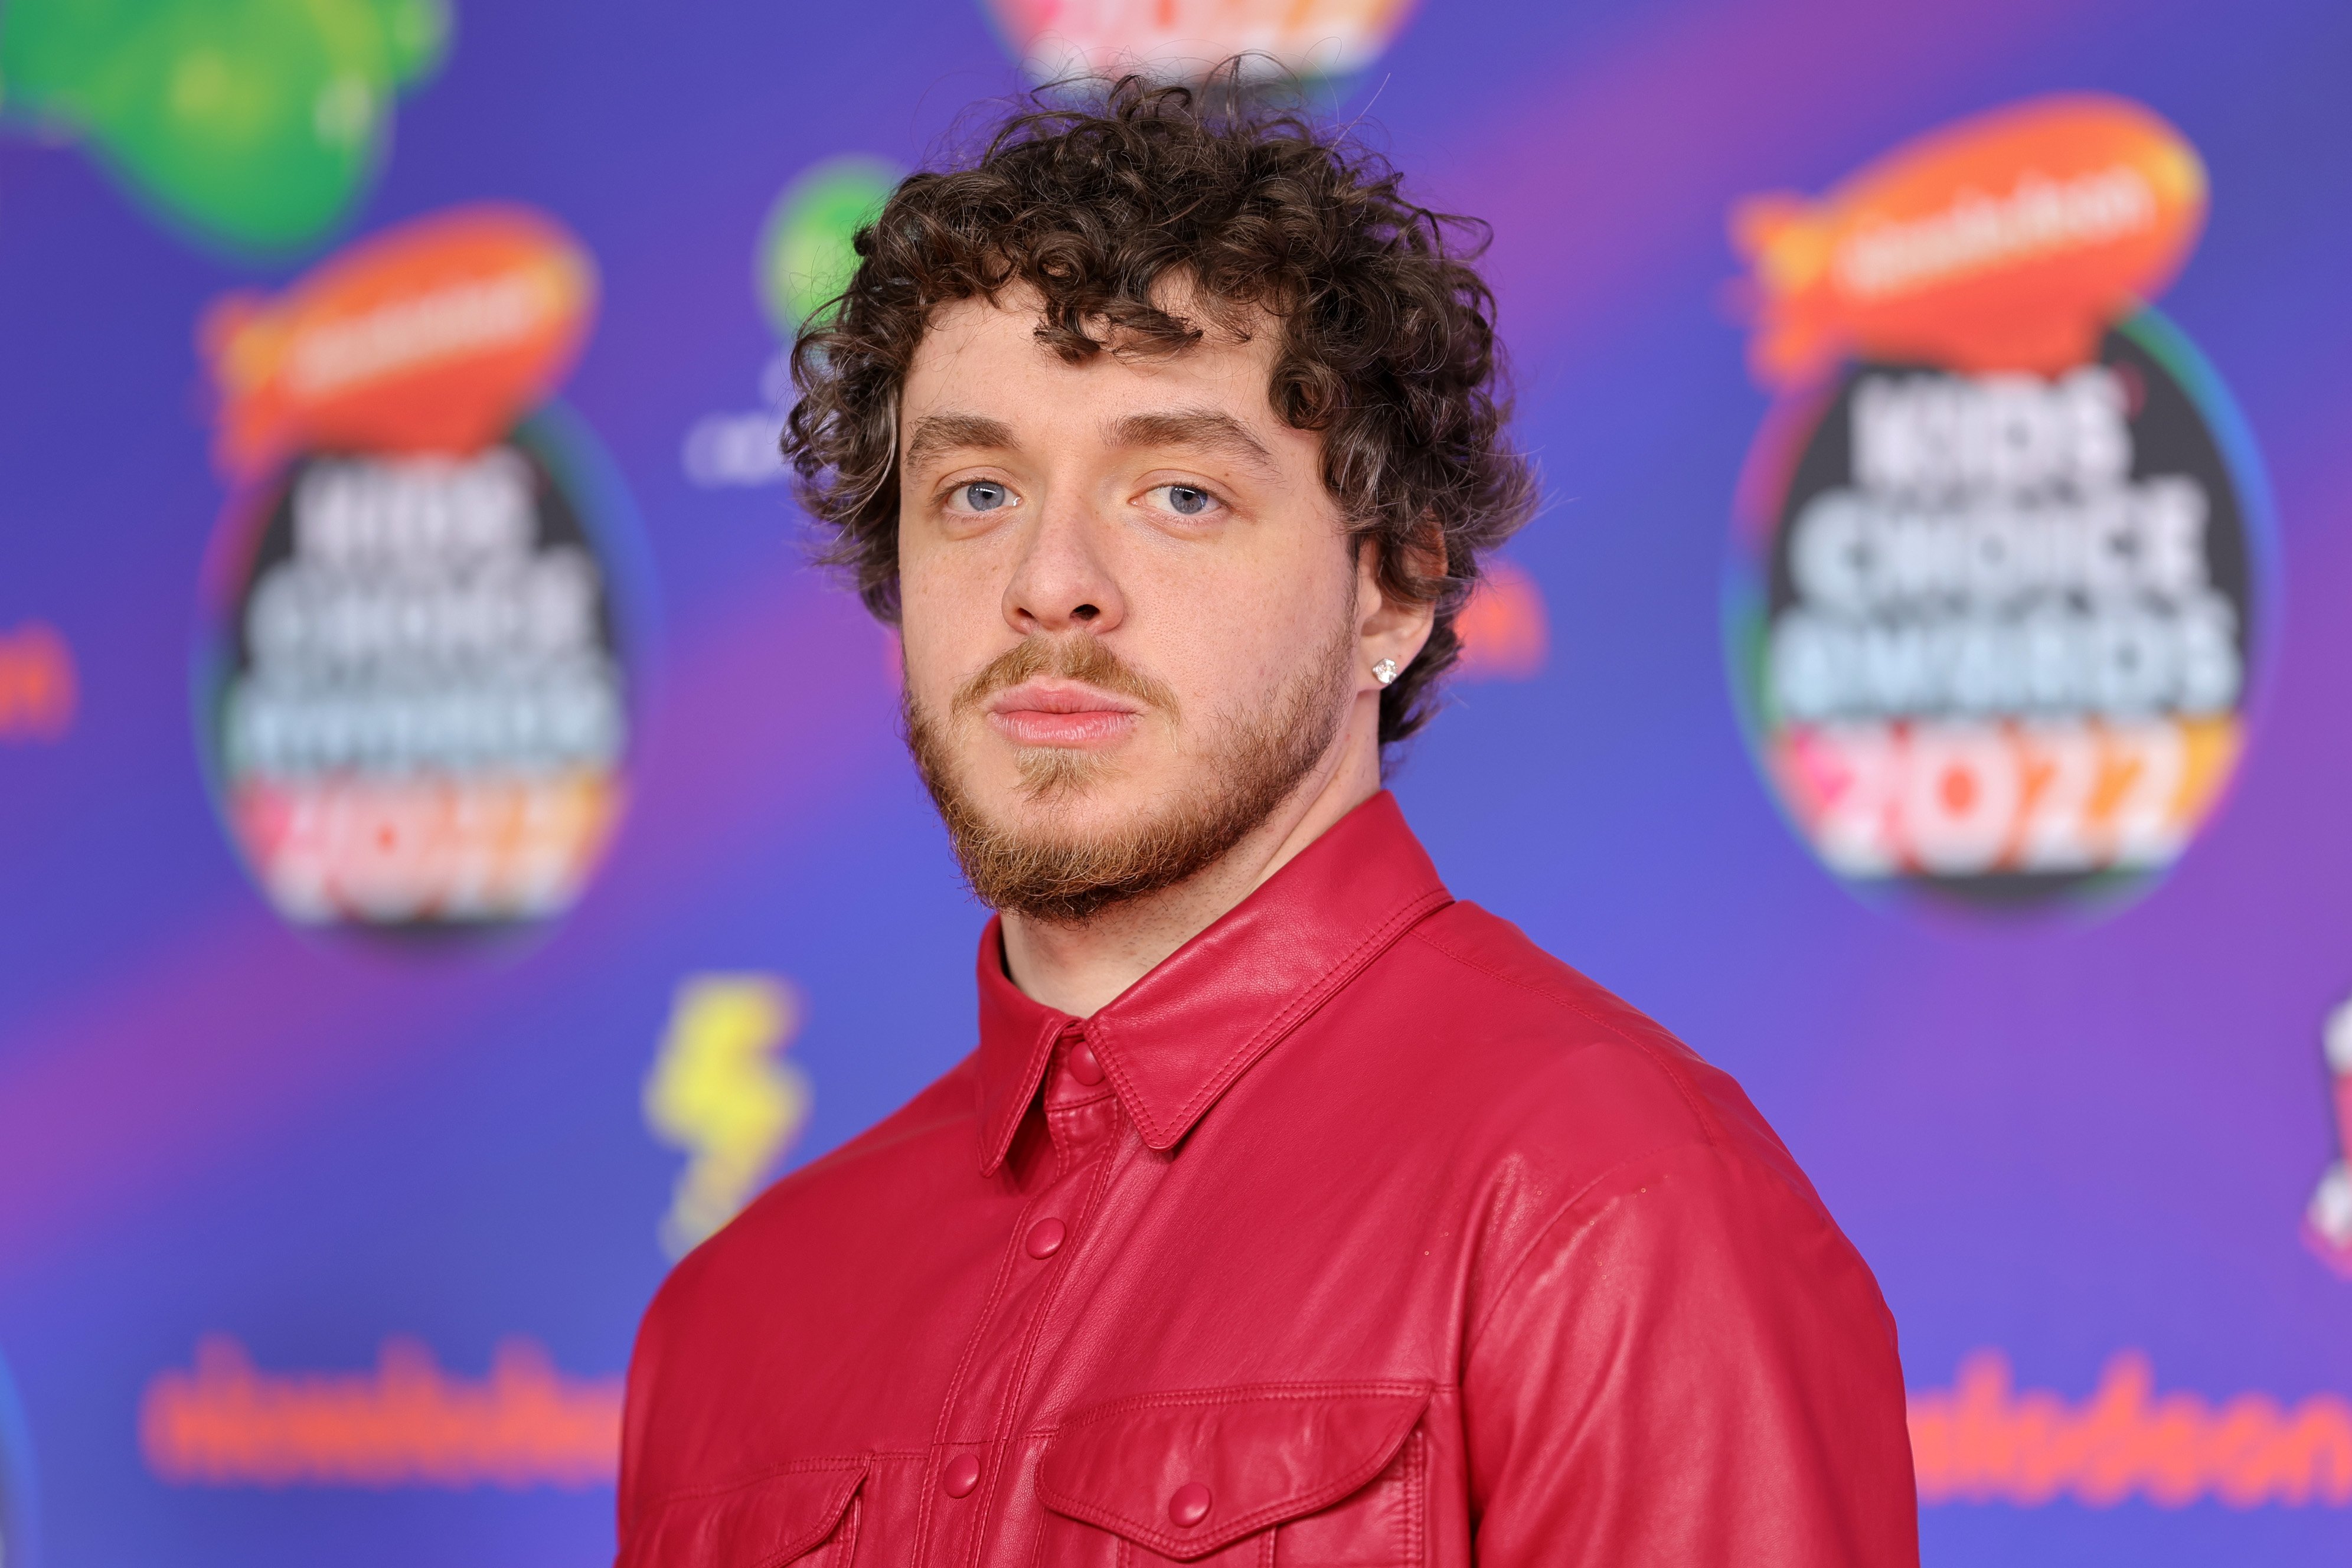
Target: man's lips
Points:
(1060, 713)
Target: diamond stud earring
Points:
(1385, 671)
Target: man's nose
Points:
(1061, 580)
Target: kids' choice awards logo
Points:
(412, 694)
(2000, 592)
(1056, 39)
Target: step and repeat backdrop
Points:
(456, 850)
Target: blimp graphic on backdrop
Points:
(1057, 40)
(2000, 578)
(412, 694)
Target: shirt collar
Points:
(1176, 1040)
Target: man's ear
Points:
(1392, 622)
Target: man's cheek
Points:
(927, 629)
(930, 680)
(1225, 660)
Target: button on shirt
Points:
(1360, 1232)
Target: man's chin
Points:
(1066, 847)
(1064, 812)
(1064, 777)
(1064, 833)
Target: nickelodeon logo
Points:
(434, 335)
(38, 688)
(404, 1423)
(1983, 1440)
(2005, 241)
(407, 1423)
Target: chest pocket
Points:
(1327, 1475)
(806, 1516)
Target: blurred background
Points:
(456, 850)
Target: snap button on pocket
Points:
(1189, 1506)
(962, 1474)
(1045, 1238)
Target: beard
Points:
(1249, 768)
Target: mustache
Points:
(1078, 657)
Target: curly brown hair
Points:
(1387, 339)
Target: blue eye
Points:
(1188, 500)
(984, 495)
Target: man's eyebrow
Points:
(1207, 429)
(937, 433)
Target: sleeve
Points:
(1690, 1365)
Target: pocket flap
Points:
(1185, 1474)
(758, 1524)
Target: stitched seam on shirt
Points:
(1038, 1542)
(1017, 1381)
(1313, 1499)
(1310, 1499)
(1066, 1154)
(793, 1466)
(1249, 1391)
(999, 1144)
(1416, 1493)
(1239, 1394)
(964, 1366)
(845, 1548)
(1252, 1394)
(1272, 1515)
(1051, 1295)
(1304, 1005)
(1709, 1125)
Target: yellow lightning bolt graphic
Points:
(719, 1090)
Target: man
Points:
(1288, 1211)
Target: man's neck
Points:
(1079, 968)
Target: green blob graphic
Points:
(805, 253)
(251, 122)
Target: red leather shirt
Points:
(1359, 1232)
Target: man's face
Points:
(1129, 606)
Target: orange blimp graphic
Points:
(431, 337)
(2007, 241)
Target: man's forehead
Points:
(981, 377)
(1199, 426)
